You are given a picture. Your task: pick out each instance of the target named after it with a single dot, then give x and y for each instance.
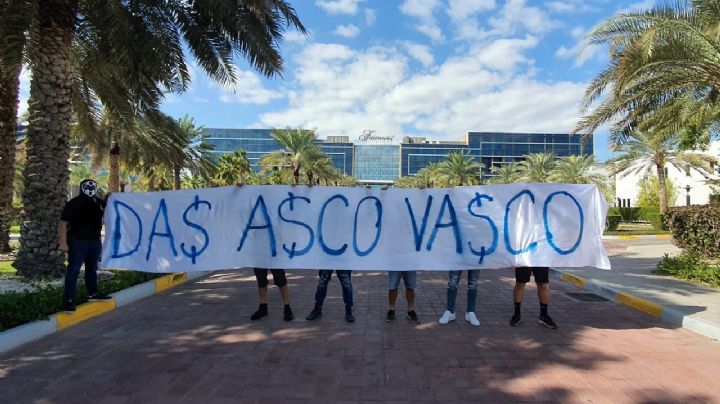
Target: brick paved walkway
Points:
(197, 344)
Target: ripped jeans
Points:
(454, 280)
(345, 282)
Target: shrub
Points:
(657, 220)
(18, 308)
(691, 267)
(696, 229)
(630, 214)
(612, 222)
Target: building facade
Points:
(376, 159)
(691, 187)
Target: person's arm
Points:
(62, 236)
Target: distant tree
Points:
(649, 192)
(536, 167)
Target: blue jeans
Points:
(82, 252)
(345, 282)
(454, 280)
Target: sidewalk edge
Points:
(22, 334)
(636, 237)
(666, 314)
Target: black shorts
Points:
(279, 279)
(541, 274)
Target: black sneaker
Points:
(261, 312)
(315, 314)
(390, 317)
(99, 297)
(69, 306)
(287, 313)
(515, 320)
(349, 316)
(412, 316)
(547, 321)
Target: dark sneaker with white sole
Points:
(412, 316)
(515, 320)
(390, 316)
(69, 306)
(547, 321)
(99, 297)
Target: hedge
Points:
(18, 308)
(636, 214)
(657, 220)
(696, 229)
(612, 222)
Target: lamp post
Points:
(687, 195)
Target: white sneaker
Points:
(470, 317)
(447, 317)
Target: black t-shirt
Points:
(84, 215)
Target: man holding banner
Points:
(542, 279)
(321, 292)
(454, 280)
(280, 281)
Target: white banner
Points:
(300, 227)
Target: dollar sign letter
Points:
(194, 251)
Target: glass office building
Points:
(383, 163)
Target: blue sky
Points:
(435, 68)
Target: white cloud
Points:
(347, 31)
(342, 91)
(639, 6)
(421, 53)
(370, 16)
(248, 90)
(516, 15)
(460, 10)
(581, 51)
(423, 10)
(570, 6)
(296, 36)
(339, 6)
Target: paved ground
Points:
(197, 344)
(633, 263)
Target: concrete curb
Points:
(636, 237)
(22, 334)
(666, 314)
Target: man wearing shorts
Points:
(542, 280)
(410, 280)
(261, 274)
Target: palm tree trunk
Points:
(114, 174)
(660, 169)
(310, 178)
(9, 90)
(46, 171)
(176, 176)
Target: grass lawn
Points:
(628, 229)
(6, 269)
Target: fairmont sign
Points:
(369, 135)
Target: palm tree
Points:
(577, 170)
(663, 73)
(298, 145)
(317, 165)
(460, 169)
(504, 174)
(536, 167)
(142, 40)
(13, 20)
(196, 151)
(641, 153)
(232, 168)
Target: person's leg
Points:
(542, 279)
(522, 277)
(320, 293)
(473, 276)
(91, 266)
(453, 280)
(346, 283)
(410, 279)
(393, 284)
(76, 256)
(262, 282)
(280, 280)
(472, 297)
